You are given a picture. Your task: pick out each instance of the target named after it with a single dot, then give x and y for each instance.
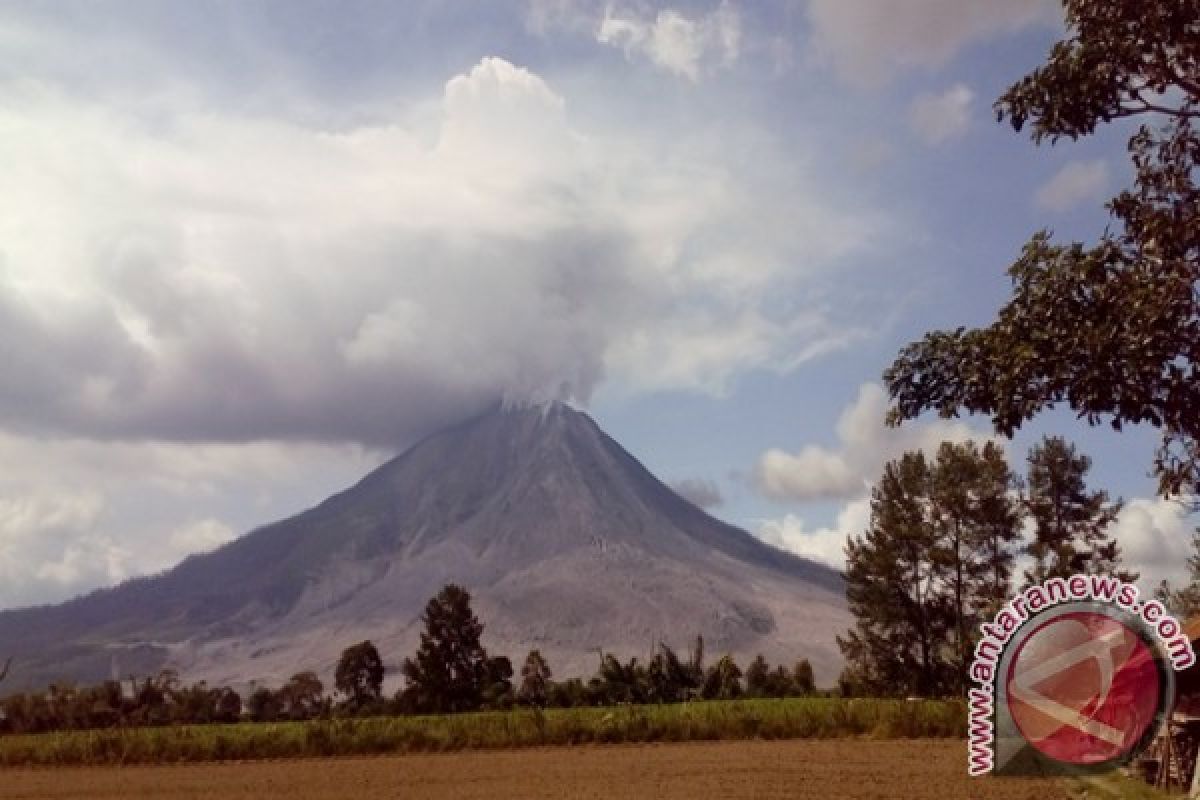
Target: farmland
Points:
(855, 769)
(794, 718)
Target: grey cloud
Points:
(336, 365)
(78, 514)
(230, 278)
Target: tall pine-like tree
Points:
(1070, 522)
(978, 525)
(451, 671)
(998, 538)
(938, 556)
(895, 589)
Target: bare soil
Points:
(795, 770)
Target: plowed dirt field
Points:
(795, 770)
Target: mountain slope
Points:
(566, 541)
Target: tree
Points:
(451, 669)
(497, 688)
(977, 523)
(228, 705)
(802, 678)
(616, 682)
(695, 665)
(937, 556)
(535, 681)
(263, 705)
(303, 696)
(359, 676)
(672, 680)
(1070, 523)
(997, 538)
(723, 681)
(568, 694)
(1113, 329)
(894, 588)
(779, 683)
(758, 677)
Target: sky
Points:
(250, 250)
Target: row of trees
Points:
(450, 672)
(940, 553)
(161, 700)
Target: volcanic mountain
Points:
(567, 543)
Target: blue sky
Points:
(251, 249)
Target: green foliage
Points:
(937, 557)
(672, 680)
(302, 697)
(1070, 522)
(619, 683)
(359, 676)
(723, 681)
(738, 719)
(892, 588)
(452, 671)
(1113, 329)
(264, 705)
(803, 681)
(758, 677)
(154, 701)
(535, 681)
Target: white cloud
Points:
(1156, 540)
(868, 41)
(200, 536)
(700, 492)
(865, 444)
(1075, 183)
(936, 118)
(826, 545)
(686, 46)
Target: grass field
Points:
(803, 718)
(833, 769)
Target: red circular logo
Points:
(1083, 688)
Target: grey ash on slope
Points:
(567, 543)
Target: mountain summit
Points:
(567, 543)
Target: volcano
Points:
(566, 542)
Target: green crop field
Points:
(736, 719)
